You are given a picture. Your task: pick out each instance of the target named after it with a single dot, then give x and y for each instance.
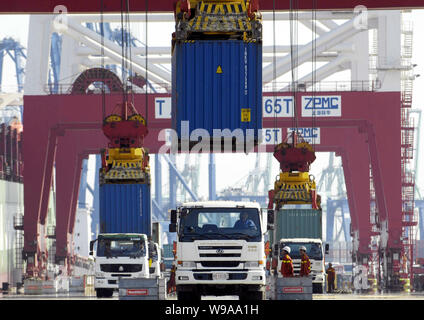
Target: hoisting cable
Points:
(123, 54)
(294, 59)
(127, 62)
(129, 46)
(146, 77)
(103, 58)
(314, 62)
(274, 82)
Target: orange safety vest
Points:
(287, 266)
(305, 266)
(331, 274)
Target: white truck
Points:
(315, 252)
(123, 255)
(220, 249)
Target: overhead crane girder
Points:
(364, 111)
(81, 6)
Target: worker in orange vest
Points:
(331, 278)
(171, 286)
(305, 263)
(287, 263)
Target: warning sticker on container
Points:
(219, 69)
(245, 115)
(293, 290)
(137, 292)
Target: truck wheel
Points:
(188, 296)
(184, 296)
(317, 288)
(108, 293)
(99, 293)
(252, 296)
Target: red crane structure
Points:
(63, 129)
(80, 6)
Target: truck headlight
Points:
(251, 264)
(189, 264)
(100, 274)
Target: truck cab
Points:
(315, 252)
(119, 255)
(220, 249)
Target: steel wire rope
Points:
(146, 77)
(274, 70)
(102, 52)
(293, 17)
(314, 63)
(129, 45)
(123, 61)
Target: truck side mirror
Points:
(275, 250)
(92, 247)
(270, 219)
(172, 227)
(327, 248)
(174, 216)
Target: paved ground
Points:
(377, 296)
(81, 296)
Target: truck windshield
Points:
(313, 250)
(121, 247)
(220, 223)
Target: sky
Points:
(16, 26)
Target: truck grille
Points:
(231, 276)
(219, 251)
(121, 267)
(220, 264)
(220, 255)
(219, 247)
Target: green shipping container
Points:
(298, 223)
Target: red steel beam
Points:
(375, 114)
(69, 163)
(70, 153)
(83, 6)
(352, 147)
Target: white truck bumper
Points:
(106, 283)
(110, 282)
(251, 277)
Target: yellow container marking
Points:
(219, 70)
(245, 115)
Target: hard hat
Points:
(286, 248)
(302, 248)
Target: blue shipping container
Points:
(217, 85)
(125, 208)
